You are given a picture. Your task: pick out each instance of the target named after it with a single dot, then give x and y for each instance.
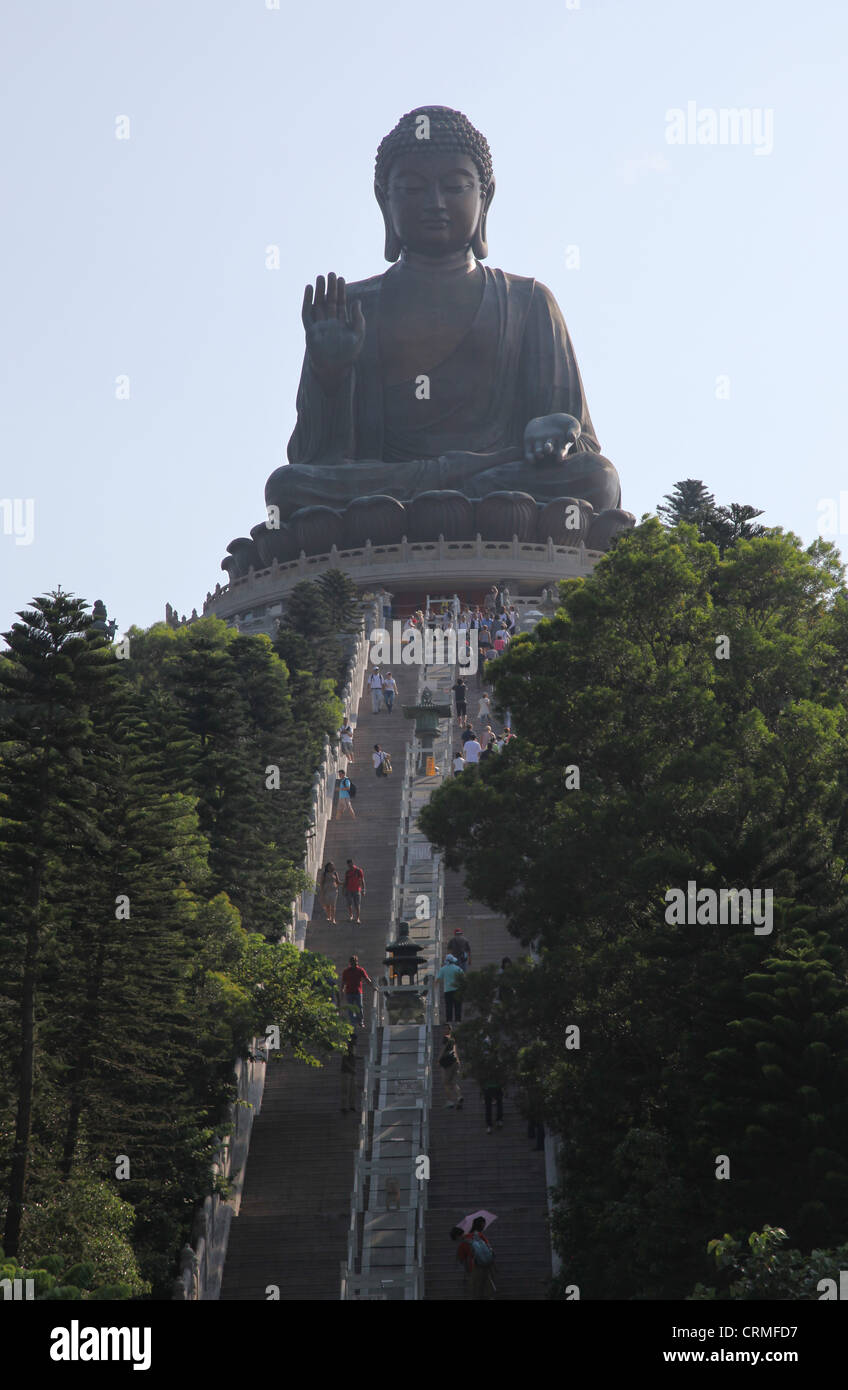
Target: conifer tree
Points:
(341, 598)
(778, 1094)
(131, 791)
(55, 673)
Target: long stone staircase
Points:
(290, 1238)
(292, 1228)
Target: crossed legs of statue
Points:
(584, 475)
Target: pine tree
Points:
(690, 501)
(778, 1094)
(341, 597)
(54, 675)
(129, 791)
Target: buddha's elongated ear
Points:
(479, 245)
(393, 247)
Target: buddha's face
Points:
(434, 201)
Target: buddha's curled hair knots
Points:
(445, 129)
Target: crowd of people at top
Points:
(495, 623)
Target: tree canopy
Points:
(681, 721)
(153, 811)
(692, 502)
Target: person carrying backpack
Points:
(482, 1285)
(346, 793)
(450, 1064)
(477, 1257)
(381, 760)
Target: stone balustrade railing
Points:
(416, 560)
(332, 766)
(202, 1261)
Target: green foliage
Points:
(310, 644)
(87, 1226)
(690, 502)
(695, 1040)
(341, 599)
(765, 1271)
(779, 1089)
(56, 674)
(233, 718)
(151, 863)
(81, 1274)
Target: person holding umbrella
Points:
(475, 1254)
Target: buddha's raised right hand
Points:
(334, 333)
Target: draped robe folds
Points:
(515, 363)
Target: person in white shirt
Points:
(484, 708)
(378, 757)
(472, 751)
(390, 690)
(458, 762)
(375, 684)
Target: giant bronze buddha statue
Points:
(441, 397)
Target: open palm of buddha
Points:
(440, 375)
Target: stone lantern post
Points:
(426, 716)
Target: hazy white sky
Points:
(251, 126)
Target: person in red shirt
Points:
(354, 887)
(479, 1283)
(464, 1255)
(352, 978)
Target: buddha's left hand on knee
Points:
(548, 438)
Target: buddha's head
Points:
(433, 181)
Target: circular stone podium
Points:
(527, 566)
